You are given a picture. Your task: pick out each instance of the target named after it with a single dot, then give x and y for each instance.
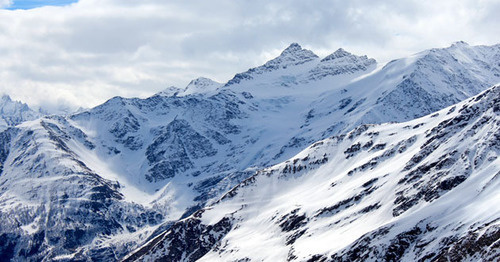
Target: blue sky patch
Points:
(30, 4)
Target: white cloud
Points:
(5, 3)
(85, 53)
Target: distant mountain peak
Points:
(337, 54)
(14, 112)
(460, 43)
(5, 98)
(6, 103)
(201, 85)
(293, 54)
(293, 47)
(201, 82)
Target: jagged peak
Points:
(340, 53)
(5, 97)
(294, 54)
(296, 50)
(292, 48)
(7, 100)
(337, 54)
(13, 112)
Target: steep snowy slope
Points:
(52, 205)
(420, 190)
(14, 112)
(166, 156)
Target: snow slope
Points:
(161, 158)
(420, 190)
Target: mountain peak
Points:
(460, 43)
(337, 54)
(14, 112)
(201, 85)
(201, 82)
(293, 47)
(295, 50)
(5, 98)
(291, 56)
(6, 101)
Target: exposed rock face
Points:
(172, 151)
(188, 239)
(59, 205)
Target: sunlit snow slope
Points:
(420, 190)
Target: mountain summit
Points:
(201, 85)
(337, 54)
(291, 56)
(297, 65)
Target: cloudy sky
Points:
(80, 53)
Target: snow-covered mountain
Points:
(201, 85)
(14, 112)
(139, 165)
(415, 191)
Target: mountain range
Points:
(412, 191)
(297, 159)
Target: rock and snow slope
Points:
(53, 204)
(420, 190)
(145, 163)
